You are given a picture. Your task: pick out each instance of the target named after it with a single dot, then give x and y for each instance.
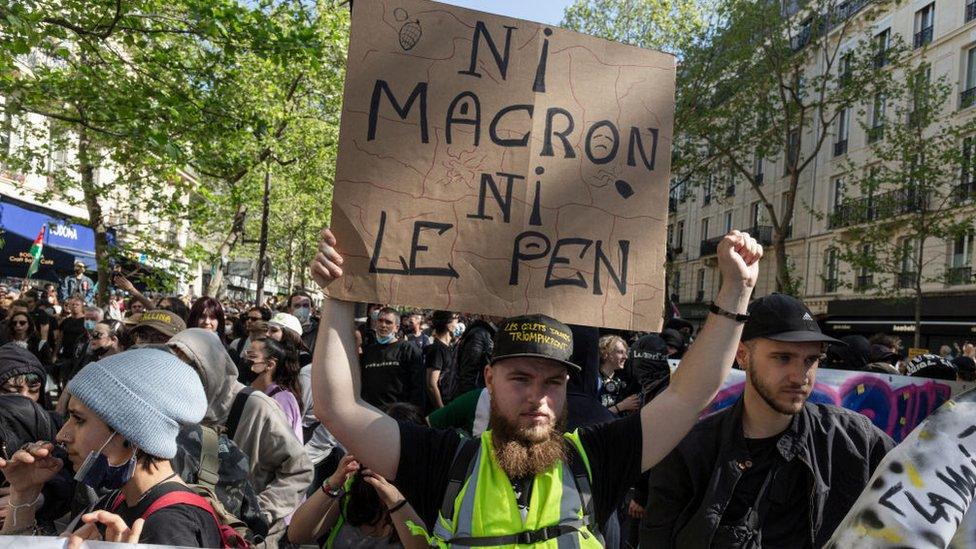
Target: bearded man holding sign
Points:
(524, 481)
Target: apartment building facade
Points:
(941, 33)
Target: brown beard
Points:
(519, 453)
(767, 393)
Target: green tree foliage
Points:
(182, 100)
(907, 197)
(667, 25)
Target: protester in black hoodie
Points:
(22, 373)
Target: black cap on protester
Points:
(781, 317)
(537, 336)
(673, 338)
(931, 366)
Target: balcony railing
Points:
(956, 276)
(863, 282)
(970, 11)
(875, 134)
(906, 279)
(923, 37)
(882, 206)
(762, 233)
(844, 10)
(709, 246)
(830, 285)
(801, 39)
(967, 98)
(840, 147)
(675, 250)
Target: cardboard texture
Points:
(497, 166)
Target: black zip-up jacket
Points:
(689, 489)
(473, 354)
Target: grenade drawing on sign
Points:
(410, 31)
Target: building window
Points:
(924, 19)
(757, 168)
(670, 234)
(830, 270)
(918, 116)
(837, 190)
(876, 131)
(676, 285)
(700, 293)
(756, 212)
(728, 222)
(707, 190)
(966, 175)
(864, 278)
(704, 229)
(908, 253)
(882, 41)
(792, 150)
(843, 129)
(970, 10)
(960, 266)
(844, 70)
(968, 96)
(680, 235)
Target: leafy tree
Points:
(756, 81)
(147, 88)
(909, 194)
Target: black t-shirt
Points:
(438, 356)
(392, 373)
(182, 525)
(787, 519)
(612, 448)
(72, 329)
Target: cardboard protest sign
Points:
(492, 165)
(921, 490)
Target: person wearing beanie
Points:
(124, 414)
(22, 373)
(773, 468)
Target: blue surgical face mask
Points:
(99, 474)
(303, 313)
(89, 325)
(385, 340)
(374, 314)
(458, 330)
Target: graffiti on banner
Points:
(896, 404)
(921, 490)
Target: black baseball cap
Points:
(538, 336)
(781, 317)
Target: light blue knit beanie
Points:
(143, 394)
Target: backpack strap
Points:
(459, 472)
(209, 471)
(180, 497)
(236, 410)
(582, 478)
(276, 390)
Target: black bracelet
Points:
(396, 507)
(713, 308)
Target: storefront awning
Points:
(64, 242)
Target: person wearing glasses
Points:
(22, 331)
(238, 347)
(106, 338)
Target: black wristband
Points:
(713, 308)
(397, 506)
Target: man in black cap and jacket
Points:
(773, 470)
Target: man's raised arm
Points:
(669, 417)
(370, 435)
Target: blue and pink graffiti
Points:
(896, 404)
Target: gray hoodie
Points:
(280, 469)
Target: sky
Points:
(542, 11)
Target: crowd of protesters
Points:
(221, 423)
